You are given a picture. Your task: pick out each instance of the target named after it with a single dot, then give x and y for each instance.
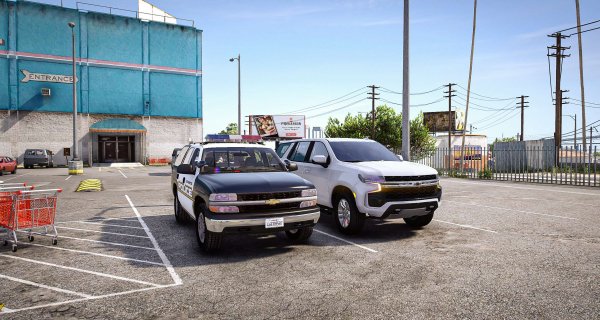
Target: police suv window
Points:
(188, 156)
(194, 156)
(181, 155)
(300, 152)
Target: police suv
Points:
(231, 188)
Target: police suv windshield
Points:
(246, 159)
(359, 151)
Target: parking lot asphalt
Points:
(494, 250)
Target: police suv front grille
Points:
(267, 196)
(264, 208)
(409, 178)
(378, 199)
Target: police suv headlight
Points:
(309, 193)
(308, 204)
(367, 178)
(223, 197)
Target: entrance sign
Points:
(276, 126)
(43, 77)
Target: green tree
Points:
(230, 129)
(505, 139)
(388, 130)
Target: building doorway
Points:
(116, 148)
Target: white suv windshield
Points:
(359, 151)
(234, 160)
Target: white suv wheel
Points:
(343, 212)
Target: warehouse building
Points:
(139, 83)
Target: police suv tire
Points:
(356, 220)
(179, 212)
(210, 242)
(299, 235)
(419, 221)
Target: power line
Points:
(337, 109)
(327, 102)
(330, 104)
(499, 113)
(485, 107)
(413, 105)
(584, 31)
(500, 121)
(412, 94)
(481, 95)
(587, 102)
(583, 25)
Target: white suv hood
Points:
(393, 168)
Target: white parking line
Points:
(515, 210)
(122, 174)
(162, 255)
(113, 233)
(465, 226)
(15, 177)
(69, 177)
(106, 275)
(97, 254)
(102, 224)
(39, 285)
(344, 240)
(54, 304)
(524, 188)
(107, 242)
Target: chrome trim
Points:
(409, 184)
(391, 203)
(259, 202)
(214, 225)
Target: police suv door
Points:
(185, 182)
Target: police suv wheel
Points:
(300, 234)
(207, 240)
(179, 214)
(346, 216)
(420, 221)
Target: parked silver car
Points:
(39, 157)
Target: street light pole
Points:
(239, 95)
(75, 157)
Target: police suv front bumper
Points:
(257, 225)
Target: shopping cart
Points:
(28, 212)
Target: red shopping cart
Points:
(28, 212)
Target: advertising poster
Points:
(278, 126)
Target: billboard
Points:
(279, 126)
(438, 121)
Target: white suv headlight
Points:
(223, 197)
(367, 178)
(309, 193)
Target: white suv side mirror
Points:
(320, 159)
(400, 157)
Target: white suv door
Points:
(299, 155)
(185, 182)
(318, 174)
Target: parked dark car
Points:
(8, 164)
(39, 157)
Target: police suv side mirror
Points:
(186, 169)
(290, 165)
(200, 163)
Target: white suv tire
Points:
(346, 215)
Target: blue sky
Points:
(297, 54)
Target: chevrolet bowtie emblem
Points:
(272, 201)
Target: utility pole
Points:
(581, 76)
(405, 88)
(559, 55)
(373, 98)
(462, 147)
(523, 106)
(451, 121)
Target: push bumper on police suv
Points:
(265, 224)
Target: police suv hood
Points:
(255, 182)
(393, 168)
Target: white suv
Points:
(359, 178)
